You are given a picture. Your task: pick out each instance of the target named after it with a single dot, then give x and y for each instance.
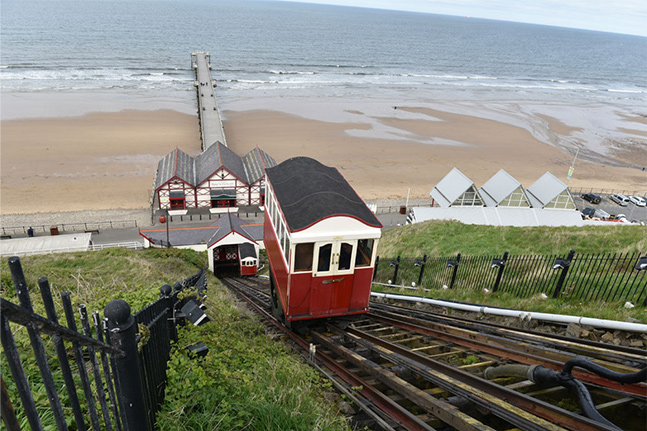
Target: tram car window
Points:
(321, 241)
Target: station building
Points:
(217, 179)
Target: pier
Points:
(211, 129)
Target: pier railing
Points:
(110, 374)
(582, 277)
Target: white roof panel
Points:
(499, 187)
(545, 189)
(451, 187)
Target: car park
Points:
(588, 212)
(592, 197)
(621, 200)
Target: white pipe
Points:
(522, 315)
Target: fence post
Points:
(458, 260)
(377, 262)
(395, 263)
(422, 269)
(501, 265)
(166, 293)
(123, 333)
(562, 264)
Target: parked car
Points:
(592, 197)
(621, 200)
(595, 213)
(638, 201)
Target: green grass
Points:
(247, 381)
(446, 238)
(449, 238)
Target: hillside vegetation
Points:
(446, 238)
(247, 381)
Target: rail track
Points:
(414, 370)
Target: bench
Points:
(5, 236)
(92, 231)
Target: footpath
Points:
(117, 226)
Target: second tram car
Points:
(321, 241)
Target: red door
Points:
(332, 277)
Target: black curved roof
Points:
(308, 191)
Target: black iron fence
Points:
(119, 362)
(585, 277)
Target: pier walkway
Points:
(211, 129)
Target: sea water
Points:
(268, 50)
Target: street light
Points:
(561, 263)
(642, 263)
(165, 219)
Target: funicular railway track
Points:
(416, 370)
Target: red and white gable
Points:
(176, 195)
(222, 192)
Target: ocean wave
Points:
(616, 90)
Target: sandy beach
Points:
(108, 160)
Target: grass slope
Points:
(246, 381)
(442, 238)
(446, 238)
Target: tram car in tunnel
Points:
(321, 241)
(248, 259)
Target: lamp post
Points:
(164, 219)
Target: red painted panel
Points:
(275, 256)
(248, 270)
(300, 289)
(361, 288)
(331, 294)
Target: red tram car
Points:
(321, 241)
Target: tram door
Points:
(332, 281)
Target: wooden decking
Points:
(211, 129)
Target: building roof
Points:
(194, 171)
(308, 192)
(500, 216)
(545, 189)
(209, 235)
(255, 163)
(175, 164)
(45, 244)
(179, 236)
(495, 191)
(452, 187)
(230, 223)
(215, 157)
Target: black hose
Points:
(637, 377)
(544, 375)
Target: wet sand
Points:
(108, 160)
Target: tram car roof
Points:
(308, 191)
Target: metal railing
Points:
(584, 277)
(70, 227)
(605, 192)
(121, 374)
